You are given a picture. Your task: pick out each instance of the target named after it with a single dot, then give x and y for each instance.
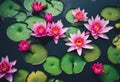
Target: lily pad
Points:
(111, 74)
(69, 16)
(52, 65)
(21, 16)
(31, 20)
(55, 7)
(116, 41)
(38, 76)
(111, 13)
(37, 54)
(114, 54)
(21, 76)
(28, 3)
(8, 8)
(117, 25)
(54, 80)
(18, 32)
(71, 30)
(72, 63)
(93, 54)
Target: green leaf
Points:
(116, 42)
(21, 16)
(8, 8)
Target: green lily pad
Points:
(54, 80)
(31, 20)
(55, 7)
(37, 54)
(21, 76)
(38, 76)
(72, 63)
(8, 8)
(110, 75)
(28, 3)
(52, 65)
(111, 13)
(71, 30)
(117, 25)
(21, 16)
(93, 54)
(114, 54)
(69, 16)
(116, 41)
(18, 32)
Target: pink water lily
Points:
(37, 6)
(6, 68)
(24, 45)
(57, 31)
(78, 42)
(98, 27)
(79, 15)
(98, 68)
(48, 17)
(39, 30)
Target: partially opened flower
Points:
(24, 45)
(98, 68)
(79, 15)
(37, 6)
(78, 42)
(39, 30)
(6, 69)
(98, 27)
(57, 31)
(48, 17)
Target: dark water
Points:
(8, 47)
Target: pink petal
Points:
(103, 36)
(69, 44)
(64, 30)
(71, 49)
(87, 26)
(12, 70)
(106, 29)
(88, 41)
(55, 40)
(88, 46)
(13, 62)
(9, 77)
(2, 75)
(79, 51)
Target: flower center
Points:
(79, 15)
(55, 30)
(96, 27)
(79, 42)
(4, 67)
(41, 29)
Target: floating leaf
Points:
(93, 54)
(117, 25)
(37, 54)
(110, 74)
(8, 8)
(28, 3)
(72, 63)
(38, 76)
(21, 16)
(116, 41)
(114, 54)
(54, 80)
(55, 7)
(31, 20)
(111, 13)
(18, 32)
(52, 65)
(21, 76)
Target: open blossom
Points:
(98, 68)
(98, 27)
(24, 45)
(48, 17)
(6, 69)
(39, 30)
(37, 6)
(57, 31)
(78, 42)
(79, 15)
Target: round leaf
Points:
(21, 16)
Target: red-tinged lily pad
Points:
(18, 32)
(72, 63)
(37, 54)
(37, 76)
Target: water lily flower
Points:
(98, 68)
(57, 31)
(48, 17)
(24, 45)
(39, 30)
(37, 6)
(6, 68)
(78, 42)
(98, 27)
(79, 15)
